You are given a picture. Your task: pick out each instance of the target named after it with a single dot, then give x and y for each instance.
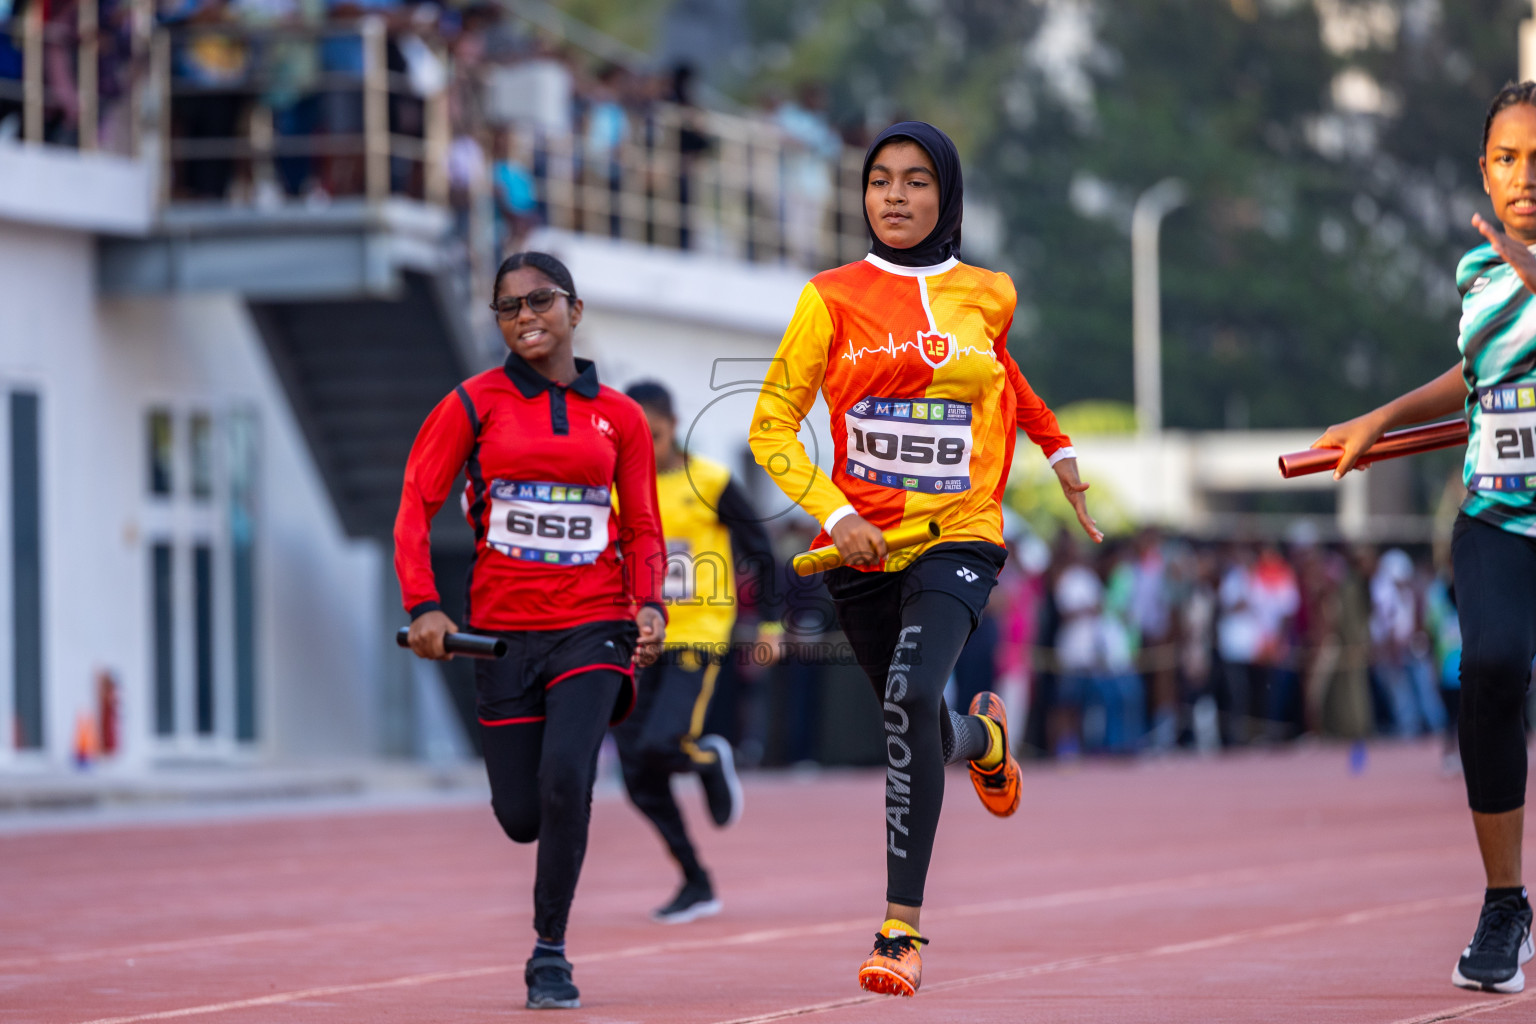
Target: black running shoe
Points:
(549, 984)
(721, 786)
(1491, 963)
(694, 900)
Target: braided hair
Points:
(1509, 96)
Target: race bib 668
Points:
(910, 444)
(557, 524)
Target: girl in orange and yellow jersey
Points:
(909, 348)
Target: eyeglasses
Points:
(539, 300)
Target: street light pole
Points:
(1528, 46)
(1146, 306)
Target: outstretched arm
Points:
(1033, 416)
(1440, 397)
(1037, 421)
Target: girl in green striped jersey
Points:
(1493, 547)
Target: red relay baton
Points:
(1393, 444)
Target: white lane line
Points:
(1074, 897)
(1466, 1010)
(1171, 949)
(1232, 876)
(310, 993)
(180, 945)
(288, 934)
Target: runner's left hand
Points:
(1520, 259)
(653, 630)
(1073, 488)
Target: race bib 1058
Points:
(910, 444)
(1506, 430)
(557, 524)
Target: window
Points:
(163, 637)
(162, 452)
(202, 615)
(200, 435)
(27, 568)
(242, 463)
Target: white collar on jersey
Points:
(896, 268)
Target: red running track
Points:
(1262, 887)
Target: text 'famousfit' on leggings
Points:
(922, 735)
(907, 638)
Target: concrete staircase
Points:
(361, 376)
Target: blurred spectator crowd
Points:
(270, 103)
(1156, 642)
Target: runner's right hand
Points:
(1354, 436)
(427, 632)
(1519, 258)
(858, 540)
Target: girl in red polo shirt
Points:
(571, 583)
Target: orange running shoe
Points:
(998, 788)
(895, 968)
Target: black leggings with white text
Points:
(907, 630)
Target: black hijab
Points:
(944, 240)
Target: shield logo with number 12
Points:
(935, 347)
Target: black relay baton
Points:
(469, 645)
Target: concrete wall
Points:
(62, 188)
(99, 366)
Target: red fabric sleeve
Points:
(1034, 416)
(437, 456)
(645, 552)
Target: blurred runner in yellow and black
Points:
(711, 531)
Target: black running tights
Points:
(1496, 603)
(541, 786)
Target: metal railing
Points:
(697, 179)
(59, 72)
(680, 177)
(354, 116)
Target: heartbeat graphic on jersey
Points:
(892, 349)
